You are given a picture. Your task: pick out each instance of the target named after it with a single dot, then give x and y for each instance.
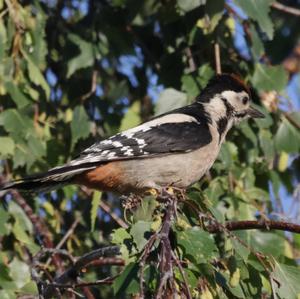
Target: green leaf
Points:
(145, 210)
(4, 225)
(132, 117)
(190, 85)
(7, 294)
(3, 41)
(7, 146)
(19, 215)
(198, 245)
(265, 242)
(266, 140)
(138, 231)
(20, 272)
(36, 147)
(17, 96)
(84, 59)
(269, 78)
(189, 5)
(24, 238)
(214, 11)
(241, 249)
(287, 138)
(36, 75)
(257, 47)
(80, 125)
(170, 99)
(15, 122)
(287, 281)
(120, 235)
(258, 10)
(127, 282)
(95, 205)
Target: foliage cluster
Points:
(73, 71)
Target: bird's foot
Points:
(131, 202)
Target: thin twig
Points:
(108, 280)
(65, 238)
(191, 61)
(292, 120)
(93, 87)
(178, 263)
(68, 234)
(218, 59)
(288, 9)
(113, 215)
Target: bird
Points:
(174, 149)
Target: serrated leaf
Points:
(257, 47)
(20, 272)
(258, 10)
(80, 125)
(23, 237)
(170, 99)
(36, 75)
(269, 78)
(4, 225)
(120, 235)
(19, 215)
(95, 205)
(127, 282)
(197, 244)
(138, 231)
(17, 96)
(36, 147)
(288, 278)
(7, 146)
(84, 59)
(287, 138)
(14, 122)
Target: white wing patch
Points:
(127, 144)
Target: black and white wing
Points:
(177, 132)
(167, 134)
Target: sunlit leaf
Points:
(197, 244)
(80, 125)
(95, 205)
(259, 10)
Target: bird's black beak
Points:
(254, 113)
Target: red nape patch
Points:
(240, 81)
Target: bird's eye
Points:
(245, 100)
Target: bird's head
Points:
(227, 97)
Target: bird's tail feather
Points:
(52, 179)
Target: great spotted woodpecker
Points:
(175, 148)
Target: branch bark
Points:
(287, 9)
(255, 224)
(71, 274)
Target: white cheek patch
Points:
(235, 98)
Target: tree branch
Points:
(286, 9)
(255, 224)
(71, 274)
